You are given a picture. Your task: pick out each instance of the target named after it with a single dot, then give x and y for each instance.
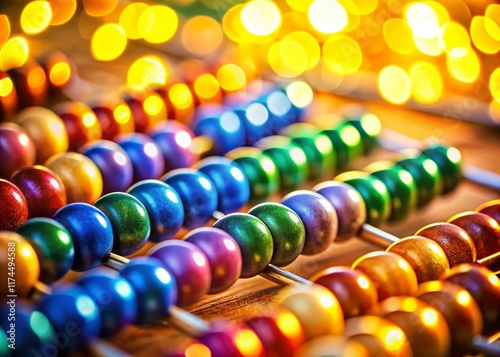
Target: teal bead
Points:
(286, 228)
(369, 127)
(400, 185)
(129, 219)
(318, 148)
(254, 239)
(53, 246)
(260, 170)
(4, 348)
(288, 157)
(346, 142)
(374, 193)
(449, 163)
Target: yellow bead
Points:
(338, 346)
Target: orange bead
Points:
(115, 117)
(339, 346)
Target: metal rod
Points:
(42, 289)
(102, 348)
(116, 262)
(489, 260)
(282, 277)
(188, 323)
(376, 236)
(482, 344)
(482, 177)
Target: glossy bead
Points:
(368, 126)
(425, 327)
(491, 208)
(46, 129)
(60, 71)
(164, 207)
(425, 256)
(282, 112)
(288, 157)
(26, 269)
(260, 171)
(148, 108)
(31, 84)
(223, 255)
(115, 117)
(374, 192)
(154, 287)
(455, 242)
(449, 163)
(79, 175)
(53, 246)
(346, 143)
(113, 163)
(73, 315)
(484, 231)
(145, 155)
(317, 309)
(232, 340)
(348, 204)
(256, 120)
(286, 228)
(231, 184)
(9, 100)
(332, 345)
(198, 195)
(318, 216)
(114, 297)
(484, 286)
(401, 187)
(17, 149)
(91, 231)
(391, 274)
(43, 189)
(14, 208)
(253, 238)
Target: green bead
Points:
(129, 219)
(53, 245)
(286, 228)
(288, 157)
(401, 187)
(369, 127)
(374, 193)
(316, 145)
(254, 239)
(346, 142)
(260, 170)
(426, 176)
(449, 163)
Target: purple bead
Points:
(188, 265)
(223, 254)
(319, 218)
(226, 340)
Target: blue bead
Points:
(32, 333)
(280, 109)
(114, 297)
(256, 120)
(145, 155)
(164, 206)
(197, 193)
(73, 315)
(154, 286)
(113, 163)
(233, 188)
(91, 231)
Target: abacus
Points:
(202, 214)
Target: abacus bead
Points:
(53, 245)
(232, 340)
(346, 142)
(455, 242)
(391, 274)
(374, 192)
(288, 157)
(317, 309)
(425, 256)
(113, 164)
(115, 117)
(188, 266)
(348, 204)
(114, 297)
(145, 155)
(260, 171)
(197, 193)
(14, 207)
(332, 346)
(91, 231)
(17, 149)
(256, 121)
(355, 293)
(491, 208)
(9, 101)
(231, 184)
(144, 117)
(448, 161)
(31, 84)
(155, 288)
(72, 314)
(281, 110)
(80, 176)
(26, 269)
(223, 255)
(286, 228)
(43, 189)
(484, 231)
(164, 207)
(368, 126)
(254, 239)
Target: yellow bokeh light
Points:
(37, 79)
(99, 7)
(122, 113)
(481, 37)
(108, 42)
(180, 96)
(310, 45)
(463, 65)
(425, 19)
(363, 7)
(495, 84)
(394, 84)
(289, 325)
(493, 26)
(157, 24)
(231, 23)
(426, 82)
(6, 87)
(342, 52)
(287, 59)
(147, 71)
(430, 47)
(60, 74)
(153, 105)
(206, 86)
(231, 77)
(300, 94)
(299, 5)
(197, 350)
(327, 16)
(453, 35)
(62, 11)
(398, 36)
(14, 53)
(36, 17)
(261, 17)
(248, 343)
(201, 35)
(4, 29)
(129, 18)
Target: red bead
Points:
(13, 207)
(115, 117)
(491, 208)
(148, 109)
(31, 84)
(17, 149)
